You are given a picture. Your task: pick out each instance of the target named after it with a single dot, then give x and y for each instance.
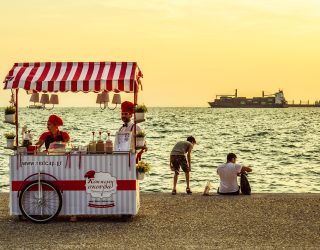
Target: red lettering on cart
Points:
(99, 184)
(77, 185)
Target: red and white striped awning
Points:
(74, 76)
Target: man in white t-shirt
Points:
(228, 173)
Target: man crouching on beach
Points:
(228, 173)
(178, 159)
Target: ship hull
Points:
(227, 105)
(276, 100)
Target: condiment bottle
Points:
(26, 139)
(30, 137)
(109, 145)
(23, 134)
(100, 144)
(92, 144)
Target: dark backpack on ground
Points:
(245, 185)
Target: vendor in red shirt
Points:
(53, 134)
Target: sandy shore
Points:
(188, 222)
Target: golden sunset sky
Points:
(189, 51)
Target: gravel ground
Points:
(265, 221)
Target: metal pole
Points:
(135, 122)
(17, 116)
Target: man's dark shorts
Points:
(178, 161)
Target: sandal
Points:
(174, 192)
(188, 190)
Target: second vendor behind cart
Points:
(53, 134)
(127, 111)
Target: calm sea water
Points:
(282, 145)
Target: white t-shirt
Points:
(228, 177)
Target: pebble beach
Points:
(264, 221)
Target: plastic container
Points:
(32, 149)
(57, 148)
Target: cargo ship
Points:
(276, 100)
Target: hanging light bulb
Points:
(34, 97)
(54, 100)
(103, 98)
(44, 100)
(116, 99)
(98, 100)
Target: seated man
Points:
(53, 134)
(228, 173)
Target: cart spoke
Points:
(47, 197)
(51, 211)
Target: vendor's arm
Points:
(40, 143)
(42, 139)
(65, 136)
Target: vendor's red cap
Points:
(55, 120)
(127, 107)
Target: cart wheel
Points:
(40, 203)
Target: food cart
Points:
(43, 186)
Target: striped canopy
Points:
(74, 76)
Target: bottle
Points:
(23, 133)
(109, 145)
(26, 139)
(100, 144)
(207, 188)
(30, 137)
(92, 144)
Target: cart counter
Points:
(89, 184)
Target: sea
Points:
(281, 145)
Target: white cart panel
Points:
(90, 184)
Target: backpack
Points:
(245, 185)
